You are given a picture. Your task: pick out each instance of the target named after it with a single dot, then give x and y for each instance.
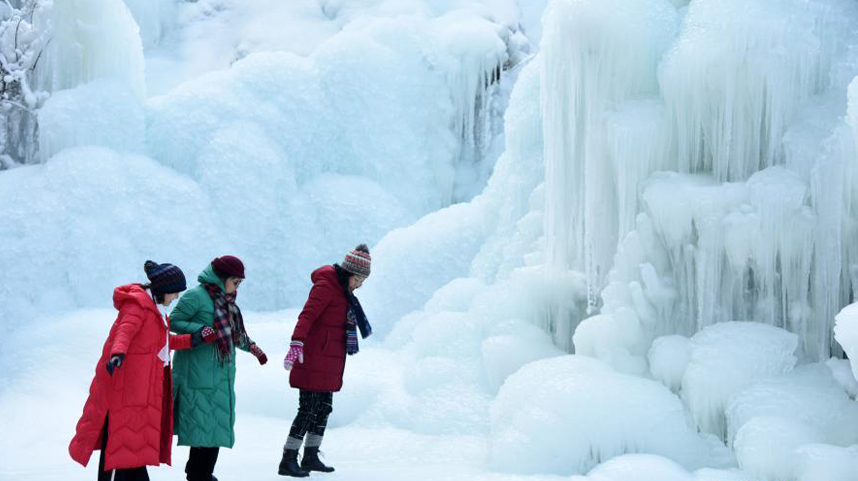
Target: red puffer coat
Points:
(322, 328)
(140, 430)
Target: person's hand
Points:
(296, 353)
(115, 362)
(202, 335)
(260, 355)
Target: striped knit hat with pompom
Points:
(358, 261)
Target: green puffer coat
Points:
(203, 387)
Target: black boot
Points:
(311, 461)
(289, 465)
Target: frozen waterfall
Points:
(700, 165)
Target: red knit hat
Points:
(228, 266)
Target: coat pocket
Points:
(136, 379)
(335, 344)
(201, 370)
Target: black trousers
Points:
(133, 474)
(314, 407)
(201, 464)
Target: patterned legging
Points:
(314, 407)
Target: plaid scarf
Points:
(355, 319)
(228, 322)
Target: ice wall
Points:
(301, 156)
(754, 218)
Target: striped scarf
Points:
(355, 319)
(228, 323)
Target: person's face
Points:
(232, 284)
(169, 298)
(355, 282)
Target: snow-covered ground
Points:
(665, 188)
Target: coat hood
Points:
(327, 273)
(133, 293)
(208, 276)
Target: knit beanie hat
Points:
(164, 278)
(358, 261)
(228, 266)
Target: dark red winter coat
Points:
(322, 328)
(140, 429)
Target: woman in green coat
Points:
(204, 377)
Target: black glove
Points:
(114, 362)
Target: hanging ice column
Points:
(92, 39)
(93, 66)
(753, 99)
(482, 52)
(599, 121)
(734, 86)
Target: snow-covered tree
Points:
(20, 49)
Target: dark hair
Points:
(159, 298)
(343, 276)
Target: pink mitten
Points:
(296, 353)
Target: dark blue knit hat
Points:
(164, 278)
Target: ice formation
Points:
(153, 17)
(301, 156)
(846, 332)
(664, 168)
(567, 414)
(726, 358)
(751, 219)
(91, 39)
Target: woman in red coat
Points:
(326, 332)
(128, 414)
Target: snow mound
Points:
(822, 462)
(515, 344)
(765, 446)
(726, 358)
(410, 264)
(639, 467)
(567, 414)
(99, 214)
(104, 113)
(808, 394)
(668, 359)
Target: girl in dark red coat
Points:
(326, 332)
(129, 412)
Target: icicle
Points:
(92, 39)
(596, 55)
(739, 76)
